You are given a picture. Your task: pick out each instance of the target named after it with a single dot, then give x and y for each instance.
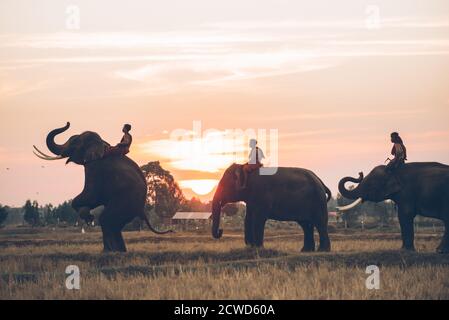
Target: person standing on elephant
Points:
(122, 148)
(398, 151)
(255, 160)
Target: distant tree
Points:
(385, 211)
(15, 216)
(351, 216)
(164, 194)
(195, 205)
(3, 214)
(31, 213)
(49, 214)
(332, 204)
(65, 213)
(235, 214)
(230, 209)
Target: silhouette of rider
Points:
(398, 151)
(121, 148)
(254, 163)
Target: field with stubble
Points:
(194, 266)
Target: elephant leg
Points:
(119, 242)
(108, 245)
(259, 229)
(407, 230)
(325, 243)
(85, 214)
(309, 241)
(113, 240)
(112, 232)
(444, 245)
(249, 232)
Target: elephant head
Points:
(378, 186)
(80, 149)
(229, 189)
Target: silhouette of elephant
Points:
(417, 188)
(115, 181)
(290, 194)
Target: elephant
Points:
(291, 194)
(417, 188)
(115, 181)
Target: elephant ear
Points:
(392, 185)
(238, 173)
(94, 151)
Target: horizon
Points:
(332, 80)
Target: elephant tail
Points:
(147, 221)
(328, 192)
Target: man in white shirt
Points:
(255, 161)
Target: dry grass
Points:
(194, 266)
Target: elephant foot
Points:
(307, 249)
(408, 248)
(324, 249)
(89, 219)
(87, 216)
(442, 250)
(253, 246)
(107, 250)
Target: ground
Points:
(194, 266)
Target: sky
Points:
(320, 84)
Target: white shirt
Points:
(252, 155)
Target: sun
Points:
(199, 186)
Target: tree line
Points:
(165, 198)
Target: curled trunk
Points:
(216, 215)
(51, 144)
(350, 194)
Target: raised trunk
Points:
(350, 194)
(51, 144)
(216, 215)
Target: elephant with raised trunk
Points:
(291, 194)
(116, 182)
(419, 188)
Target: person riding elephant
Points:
(124, 145)
(399, 153)
(254, 162)
(115, 182)
(423, 190)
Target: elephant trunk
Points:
(350, 194)
(216, 215)
(51, 144)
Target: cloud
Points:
(346, 115)
(8, 90)
(222, 54)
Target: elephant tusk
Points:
(47, 158)
(40, 152)
(350, 206)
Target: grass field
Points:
(195, 266)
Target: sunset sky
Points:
(332, 78)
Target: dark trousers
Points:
(394, 164)
(116, 150)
